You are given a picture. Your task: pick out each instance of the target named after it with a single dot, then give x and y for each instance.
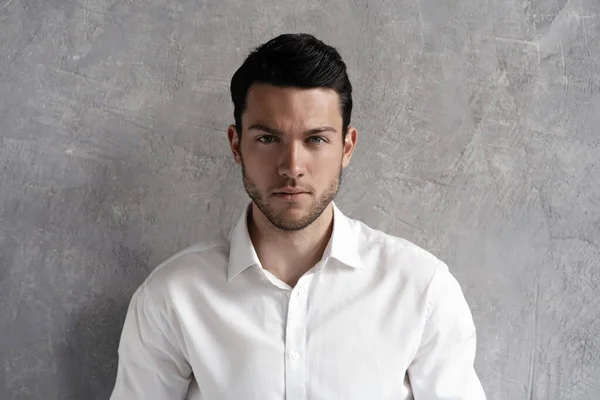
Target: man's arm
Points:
(151, 365)
(443, 366)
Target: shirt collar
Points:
(343, 244)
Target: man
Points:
(300, 302)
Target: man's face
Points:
(292, 143)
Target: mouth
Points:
(290, 194)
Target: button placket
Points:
(295, 343)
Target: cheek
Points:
(259, 169)
(325, 169)
(262, 162)
(330, 160)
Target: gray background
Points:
(478, 140)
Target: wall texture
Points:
(478, 140)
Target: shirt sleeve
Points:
(443, 368)
(151, 366)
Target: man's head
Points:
(292, 106)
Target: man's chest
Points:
(306, 343)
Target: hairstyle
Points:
(293, 60)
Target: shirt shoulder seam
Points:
(196, 248)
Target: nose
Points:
(292, 162)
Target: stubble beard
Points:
(285, 224)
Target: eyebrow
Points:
(272, 131)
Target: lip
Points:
(290, 191)
(290, 196)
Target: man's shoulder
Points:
(397, 253)
(190, 262)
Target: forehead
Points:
(290, 105)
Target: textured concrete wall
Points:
(478, 124)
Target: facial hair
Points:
(285, 224)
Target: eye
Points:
(316, 139)
(267, 139)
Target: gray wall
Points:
(478, 140)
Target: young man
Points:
(300, 302)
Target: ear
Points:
(234, 143)
(349, 145)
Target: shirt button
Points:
(295, 355)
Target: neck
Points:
(289, 254)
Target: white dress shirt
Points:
(377, 318)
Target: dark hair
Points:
(293, 60)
